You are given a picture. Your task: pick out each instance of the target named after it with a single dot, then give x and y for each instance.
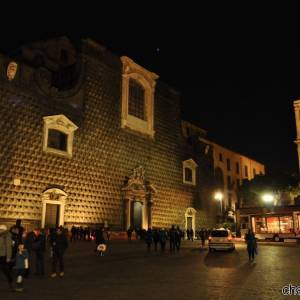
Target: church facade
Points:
(90, 138)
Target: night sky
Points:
(238, 73)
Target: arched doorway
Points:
(53, 208)
(190, 219)
(137, 194)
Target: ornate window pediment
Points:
(58, 135)
(138, 87)
(189, 171)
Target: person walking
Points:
(251, 244)
(172, 236)
(100, 240)
(39, 247)
(155, 235)
(5, 254)
(162, 239)
(59, 244)
(192, 234)
(129, 233)
(17, 235)
(178, 234)
(202, 237)
(22, 263)
(149, 239)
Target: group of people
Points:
(87, 233)
(18, 249)
(160, 237)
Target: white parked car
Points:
(220, 239)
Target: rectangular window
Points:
(57, 140)
(237, 168)
(229, 201)
(136, 105)
(220, 157)
(228, 164)
(188, 174)
(228, 182)
(246, 171)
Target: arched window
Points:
(136, 101)
(189, 171)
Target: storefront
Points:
(271, 222)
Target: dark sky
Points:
(238, 72)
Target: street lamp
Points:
(268, 198)
(219, 197)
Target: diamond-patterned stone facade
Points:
(103, 152)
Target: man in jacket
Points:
(39, 247)
(5, 253)
(58, 244)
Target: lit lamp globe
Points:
(218, 196)
(268, 198)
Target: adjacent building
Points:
(230, 168)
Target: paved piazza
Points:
(127, 271)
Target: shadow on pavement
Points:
(222, 259)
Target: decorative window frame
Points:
(64, 125)
(147, 80)
(191, 164)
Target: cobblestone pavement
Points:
(127, 271)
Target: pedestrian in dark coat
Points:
(202, 237)
(178, 234)
(172, 236)
(155, 235)
(59, 244)
(5, 253)
(192, 234)
(129, 233)
(39, 247)
(149, 239)
(17, 235)
(162, 239)
(99, 237)
(251, 244)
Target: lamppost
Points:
(219, 197)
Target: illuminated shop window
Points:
(189, 172)
(286, 224)
(58, 135)
(273, 224)
(138, 88)
(260, 225)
